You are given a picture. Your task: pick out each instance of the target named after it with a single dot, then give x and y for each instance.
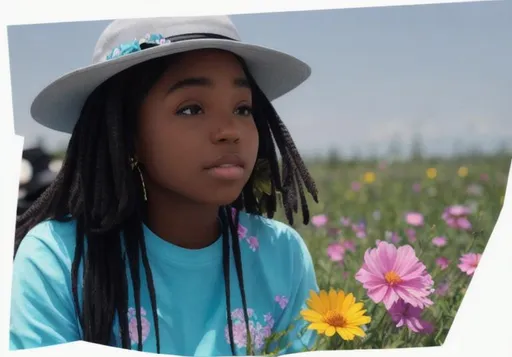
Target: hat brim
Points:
(58, 105)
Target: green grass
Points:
(391, 194)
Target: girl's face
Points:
(196, 137)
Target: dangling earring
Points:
(135, 165)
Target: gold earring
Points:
(135, 165)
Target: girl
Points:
(152, 236)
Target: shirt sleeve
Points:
(298, 338)
(42, 309)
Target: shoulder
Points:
(46, 243)
(275, 240)
(42, 307)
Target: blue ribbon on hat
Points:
(138, 45)
(152, 40)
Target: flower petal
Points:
(354, 309)
(356, 331)
(349, 301)
(324, 297)
(333, 299)
(315, 303)
(330, 331)
(341, 298)
(363, 320)
(345, 334)
(311, 315)
(319, 326)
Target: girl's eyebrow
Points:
(204, 82)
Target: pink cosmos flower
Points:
(416, 187)
(336, 252)
(404, 314)
(442, 288)
(356, 186)
(319, 220)
(442, 262)
(439, 241)
(414, 219)
(469, 262)
(345, 221)
(360, 230)
(390, 273)
(411, 235)
(349, 245)
(456, 217)
(393, 237)
(484, 177)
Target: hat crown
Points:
(125, 30)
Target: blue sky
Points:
(379, 74)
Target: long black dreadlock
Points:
(98, 188)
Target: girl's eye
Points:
(190, 110)
(244, 110)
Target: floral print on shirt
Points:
(259, 328)
(282, 301)
(132, 325)
(252, 241)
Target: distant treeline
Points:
(397, 153)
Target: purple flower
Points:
(360, 230)
(356, 186)
(392, 237)
(411, 235)
(404, 314)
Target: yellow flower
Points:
(335, 312)
(369, 177)
(463, 171)
(432, 173)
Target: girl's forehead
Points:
(205, 60)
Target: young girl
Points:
(152, 237)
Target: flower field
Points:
(395, 247)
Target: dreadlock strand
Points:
(131, 242)
(75, 265)
(294, 154)
(152, 292)
(226, 273)
(239, 271)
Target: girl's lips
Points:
(227, 172)
(227, 161)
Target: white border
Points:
(483, 322)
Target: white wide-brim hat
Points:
(127, 42)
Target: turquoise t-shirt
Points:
(189, 284)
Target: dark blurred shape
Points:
(39, 169)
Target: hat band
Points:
(153, 40)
